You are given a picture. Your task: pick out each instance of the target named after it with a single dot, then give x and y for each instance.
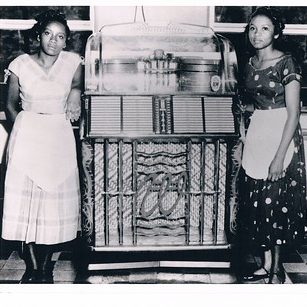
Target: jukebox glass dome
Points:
(141, 58)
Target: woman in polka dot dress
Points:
(273, 187)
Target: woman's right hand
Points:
(73, 111)
(276, 170)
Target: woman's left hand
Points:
(73, 111)
(276, 170)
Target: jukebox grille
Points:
(116, 114)
(203, 114)
(137, 114)
(218, 115)
(188, 114)
(105, 115)
(160, 193)
(152, 114)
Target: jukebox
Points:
(158, 132)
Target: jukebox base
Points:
(159, 257)
(159, 264)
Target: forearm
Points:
(11, 113)
(73, 105)
(287, 135)
(74, 97)
(292, 98)
(12, 100)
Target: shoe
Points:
(29, 277)
(255, 277)
(278, 277)
(45, 277)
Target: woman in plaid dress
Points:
(42, 195)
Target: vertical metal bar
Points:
(87, 111)
(106, 190)
(121, 114)
(171, 106)
(203, 113)
(216, 189)
(120, 194)
(188, 194)
(134, 189)
(92, 167)
(228, 179)
(202, 193)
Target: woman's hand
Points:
(276, 169)
(73, 110)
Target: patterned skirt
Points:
(274, 213)
(32, 214)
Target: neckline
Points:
(41, 68)
(279, 59)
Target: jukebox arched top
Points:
(141, 58)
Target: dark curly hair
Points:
(47, 17)
(274, 15)
(285, 44)
(271, 13)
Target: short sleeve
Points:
(75, 59)
(291, 71)
(14, 66)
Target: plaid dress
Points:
(42, 193)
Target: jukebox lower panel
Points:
(155, 193)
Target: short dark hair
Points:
(273, 15)
(43, 19)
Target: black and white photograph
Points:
(154, 147)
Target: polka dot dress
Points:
(273, 213)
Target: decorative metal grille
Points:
(150, 193)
